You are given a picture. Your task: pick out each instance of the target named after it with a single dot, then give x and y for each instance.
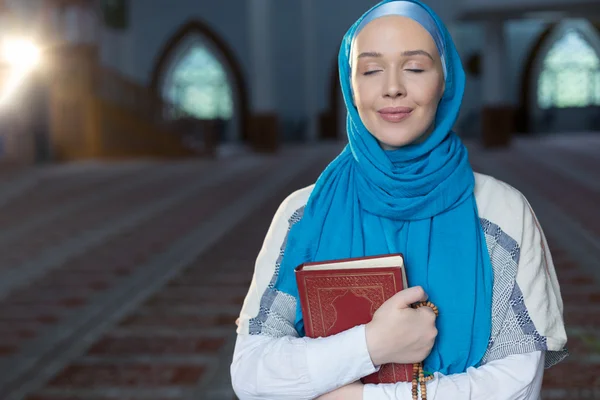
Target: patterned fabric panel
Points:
(513, 331)
(277, 309)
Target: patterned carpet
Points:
(123, 281)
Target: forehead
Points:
(393, 33)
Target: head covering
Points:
(412, 11)
(417, 200)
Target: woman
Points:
(471, 243)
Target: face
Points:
(397, 80)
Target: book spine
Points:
(303, 293)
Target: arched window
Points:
(198, 71)
(570, 75)
(198, 81)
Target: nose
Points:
(394, 87)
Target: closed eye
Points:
(371, 72)
(418, 71)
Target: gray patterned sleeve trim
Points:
(277, 310)
(513, 331)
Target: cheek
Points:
(363, 96)
(427, 95)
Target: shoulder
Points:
(260, 315)
(289, 212)
(293, 205)
(504, 207)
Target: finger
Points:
(409, 296)
(427, 311)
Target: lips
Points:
(395, 114)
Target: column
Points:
(497, 112)
(494, 64)
(310, 84)
(54, 25)
(263, 132)
(86, 22)
(260, 46)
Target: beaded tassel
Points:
(415, 381)
(419, 378)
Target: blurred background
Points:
(146, 144)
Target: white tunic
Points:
(271, 362)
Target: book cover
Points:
(338, 295)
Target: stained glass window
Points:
(571, 74)
(199, 85)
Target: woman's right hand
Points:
(399, 333)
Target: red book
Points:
(341, 294)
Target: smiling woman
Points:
(471, 244)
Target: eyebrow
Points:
(407, 53)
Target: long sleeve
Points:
(301, 368)
(270, 360)
(515, 377)
(289, 368)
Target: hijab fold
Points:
(417, 200)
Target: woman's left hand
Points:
(353, 391)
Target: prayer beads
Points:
(419, 378)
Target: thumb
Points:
(406, 297)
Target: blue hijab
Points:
(417, 200)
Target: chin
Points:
(395, 141)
